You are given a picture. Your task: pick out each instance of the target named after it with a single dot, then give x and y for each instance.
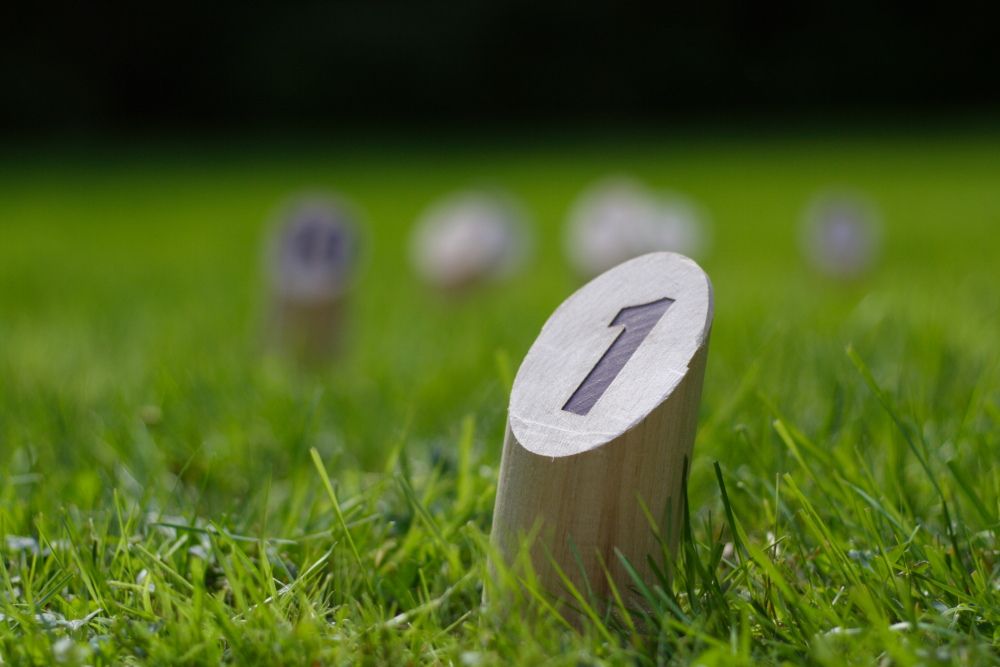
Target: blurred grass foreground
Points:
(158, 500)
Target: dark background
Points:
(322, 64)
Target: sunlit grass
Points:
(171, 494)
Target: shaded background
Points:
(322, 64)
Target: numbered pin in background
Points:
(841, 235)
(312, 262)
(601, 425)
(470, 239)
(618, 219)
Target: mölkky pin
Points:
(601, 424)
(312, 262)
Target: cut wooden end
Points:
(601, 424)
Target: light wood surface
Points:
(578, 471)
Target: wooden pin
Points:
(312, 260)
(469, 239)
(602, 421)
(619, 219)
(841, 235)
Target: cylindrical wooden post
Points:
(312, 260)
(602, 421)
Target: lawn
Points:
(170, 493)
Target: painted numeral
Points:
(636, 323)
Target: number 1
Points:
(637, 322)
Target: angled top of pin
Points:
(618, 219)
(610, 354)
(314, 252)
(470, 238)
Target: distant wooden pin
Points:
(470, 239)
(841, 235)
(312, 261)
(618, 219)
(602, 422)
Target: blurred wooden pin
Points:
(312, 260)
(618, 219)
(841, 235)
(470, 239)
(602, 421)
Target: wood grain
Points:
(581, 479)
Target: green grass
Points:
(168, 494)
